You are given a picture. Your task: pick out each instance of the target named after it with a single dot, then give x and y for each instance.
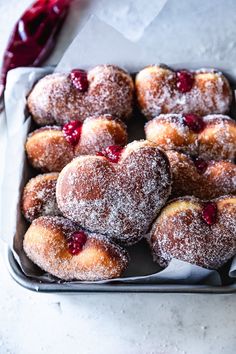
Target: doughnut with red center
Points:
(119, 197)
(212, 137)
(201, 233)
(51, 148)
(61, 248)
(201, 178)
(61, 97)
(162, 90)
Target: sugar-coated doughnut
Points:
(162, 90)
(201, 233)
(61, 248)
(99, 132)
(201, 178)
(211, 137)
(39, 197)
(50, 148)
(118, 193)
(61, 97)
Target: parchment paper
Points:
(122, 18)
(106, 46)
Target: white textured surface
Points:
(190, 30)
(114, 323)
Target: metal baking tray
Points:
(63, 287)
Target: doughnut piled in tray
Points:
(99, 188)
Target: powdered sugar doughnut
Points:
(48, 150)
(51, 148)
(203, 179)
(218, 138)
(61, 97)
(39, 197)
(162, 90)
(61, 248)
(98, 132)
(119, 198)
(209, 137)
(199, 233)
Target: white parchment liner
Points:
(97, 43)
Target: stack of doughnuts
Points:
(96, 193)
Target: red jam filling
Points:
(34, 35)
(79, 79)
(112, 153)
(72, 131)
(76, 242)
(209, 213)
(200, 164)
(194, 122)
(185, 81)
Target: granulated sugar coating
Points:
(46, 244)
(157, 92)
(214, 179)
(98, 132)
(48, 148)
(39, 197)
(216, 141)
(181, 232)
(55, 99)
(120, 199)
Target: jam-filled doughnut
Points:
(209, 137)
(201, 178)
(201, 233)
(118, 193)
(98, 132)
(39, 197)
(50, 148)
(61, 97)
(61, 248)
(162, 90)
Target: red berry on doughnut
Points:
(200, 164)
(209, 213)
(79, 79)
(185, 81)
(112, 153)
(72, 131)
(194, 122)
(76, 242)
